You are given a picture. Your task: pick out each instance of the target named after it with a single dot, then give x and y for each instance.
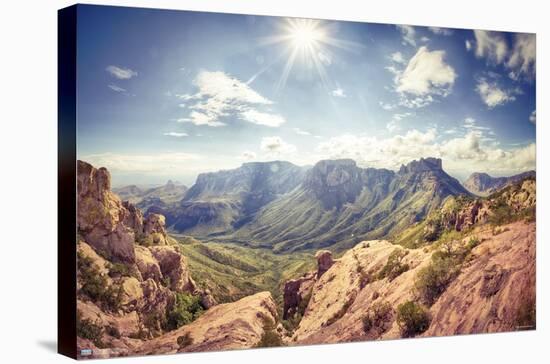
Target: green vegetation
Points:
(378, 318)
(412, 319)
(187, 309)
(232, 271)
(184, 340)
(270, 337)
(113, 331)
(432, 280)
(96, 286)
(119, 270)
(394, 267)
(294, 321)
(88, 329)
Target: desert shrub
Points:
(472, 243)
(113, 331)
(502, 213)
(412, 319)
(96, 286)
(186, 309)
(270, 337)
(184, 340)
(432, 280)
(119, 270)
(378, 318)
(88, 329)
(394, 266)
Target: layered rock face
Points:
(334, 182)
(235, 325)
(108, 224)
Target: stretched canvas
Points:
(238, 181)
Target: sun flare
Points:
(305, 33)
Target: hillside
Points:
(474, 277)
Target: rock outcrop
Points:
(324, 261)
(495, 286)
(235, 325)
(296, 292)
(173, 266)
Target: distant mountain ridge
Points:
(171, 192)
(483, 184)
(286, 207)
(339, 204)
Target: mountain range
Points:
(483, 184)
(285, 207)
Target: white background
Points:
(28, 177)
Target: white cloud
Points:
(408, 34)
(490, 45)
(520, 59)
(338, 92)
(425, 75)
(116, 88)
(523, 57)
(441, 31)
(301, 132)
(176, 134)
(392, 126)
(386, 106)
(248, 155)
(468, 44)
(533, 117)
(220, 95)
(120, 72)
(492, 95)
(397, 57)
(425, 39)
(261, 118)
(276, 146)
(199, 119)
(462, 154)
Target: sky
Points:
(170, 94)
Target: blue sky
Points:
(170, 94)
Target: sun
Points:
(305, 33)
(308, 42)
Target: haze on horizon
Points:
(170, 94)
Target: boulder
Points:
(173, 266)
(131, 293)
(147, 265)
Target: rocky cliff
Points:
(134, 288)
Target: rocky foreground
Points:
(488, 294)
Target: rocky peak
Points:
(335, 182)
(422, 165)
